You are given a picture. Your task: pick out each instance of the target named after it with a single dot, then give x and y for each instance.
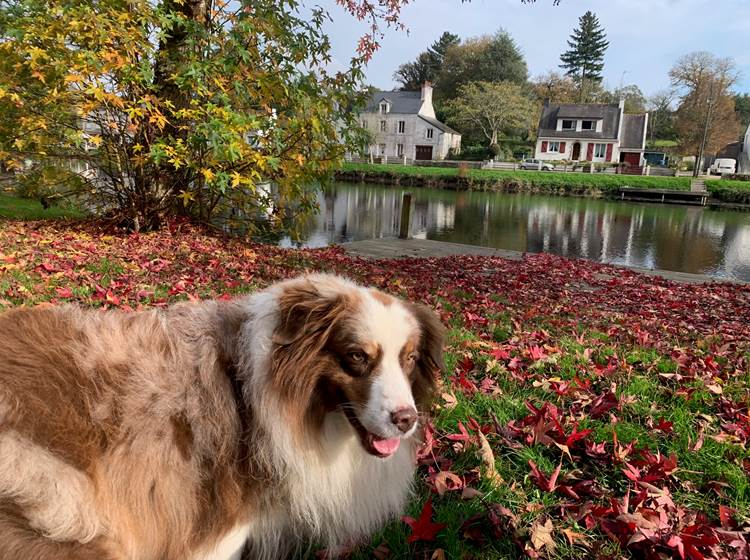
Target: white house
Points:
(403, 124)
(591, 132)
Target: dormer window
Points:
(568, 125)
(588, 125)
(383, 107)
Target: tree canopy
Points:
(584, 59)
(706, 119)
(183, 106)
(494, 58)
(427, 66)
(494, 108)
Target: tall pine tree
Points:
(584, 60)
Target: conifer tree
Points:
(584, 60)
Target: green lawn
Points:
(635, 388)
(730, 191)
(574, 183)
(26, 209)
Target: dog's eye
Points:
(358, 357)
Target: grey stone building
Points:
(403, 124)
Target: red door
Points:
(632, 159)
(424, 152)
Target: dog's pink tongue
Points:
(386, 447)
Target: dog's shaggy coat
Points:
(190, 432)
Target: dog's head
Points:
(343, 349)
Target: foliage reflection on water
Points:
(680, 238)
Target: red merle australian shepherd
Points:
(267, 423)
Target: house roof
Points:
(633, 132)
(437, 124)
(609, 114)
(405, 102)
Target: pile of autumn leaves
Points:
(601, 498)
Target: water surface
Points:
(670, 237)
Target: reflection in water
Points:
(682, 238)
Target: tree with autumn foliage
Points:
(492, 109)
(179, 105)
(706, 120)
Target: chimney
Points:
(426, 108)
(427, 92)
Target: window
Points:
(588, 125)
(383, 126)
(401, 127)
(400, 150)
(382, 149)
(554, 147)
(600, 150)
(364, 124)
(569, 125)
(429, 133)
(383, 108)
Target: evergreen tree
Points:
(584, 60)
(428, 64)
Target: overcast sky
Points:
(646, 36)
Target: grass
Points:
(13, 207)
(491, 179)
(729, 190)
(676, 357)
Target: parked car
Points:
(722, 166)
(533, 164)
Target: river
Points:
(670, 237)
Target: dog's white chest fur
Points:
(336, 497)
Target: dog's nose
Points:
(404, 418)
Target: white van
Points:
(723, 166)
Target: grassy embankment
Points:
(729, 191)
(597, 184)
(27, 209)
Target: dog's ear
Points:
(306, 314)
(430, 362)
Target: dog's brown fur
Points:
(141, 417)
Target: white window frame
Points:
(600, 151)
(400, 150)
(553, 147)
(381, 149)
(383, 126)
(593, 125)
(429, 133)
(383, 108)
(401, 127)
(572, 122)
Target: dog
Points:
(267, 424)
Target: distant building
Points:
(743, 163)
(591, 132)
(403, 124)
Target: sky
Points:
(646, 36)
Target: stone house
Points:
(403, 124)
(591, 132)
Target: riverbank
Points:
(542, 182)
(724, 193)
(586, 410)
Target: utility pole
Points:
(698, 164)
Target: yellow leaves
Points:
(186, 197)
(158, 119)
(488, 460)
(96, 140)
(236, 179)
(208, 175)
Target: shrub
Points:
(729, 190)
